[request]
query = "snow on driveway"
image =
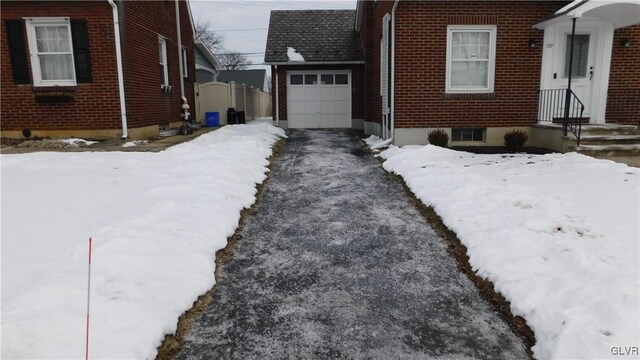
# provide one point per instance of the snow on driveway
(156, 219)
(557, 234)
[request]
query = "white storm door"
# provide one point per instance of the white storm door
(583, 65)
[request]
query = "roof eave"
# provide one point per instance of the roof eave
(208, 54)
(354, 62)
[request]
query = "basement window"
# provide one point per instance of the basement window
(467, 134)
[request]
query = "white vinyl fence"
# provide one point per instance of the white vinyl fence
(218, 96)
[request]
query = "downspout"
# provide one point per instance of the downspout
(277, 103)
(123, 106)
(389, 141)
(179, 38)
(393, 69)
(185, 103)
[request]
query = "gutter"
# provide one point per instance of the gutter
(123, 106)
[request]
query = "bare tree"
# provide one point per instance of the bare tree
(233, 61)
(208, 37)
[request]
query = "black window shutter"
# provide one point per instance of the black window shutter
(81, 55)
(18, 51)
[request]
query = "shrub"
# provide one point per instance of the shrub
(438, 137)
(514, 140)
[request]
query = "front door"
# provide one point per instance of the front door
(583, 64)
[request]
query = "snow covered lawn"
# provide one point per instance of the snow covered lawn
(557, 234)
(156, 219)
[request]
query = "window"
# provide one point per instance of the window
(342, 79)
(470, 59)
(580, 56)
(164, 67)
(311, 79)
(295, 79)
(467, 134)
(185, 69)
(51, 51)
(326, 79)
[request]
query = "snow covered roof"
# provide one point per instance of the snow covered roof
(319, 36)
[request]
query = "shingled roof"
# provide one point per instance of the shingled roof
(318, 35)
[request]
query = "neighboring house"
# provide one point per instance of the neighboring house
(207, 66)
(64, 74)
(474, 68)
(256, 78)
(317, 66)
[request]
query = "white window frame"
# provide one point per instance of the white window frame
(185, 69)
(163, 42)
(492, 30)
(36, 71)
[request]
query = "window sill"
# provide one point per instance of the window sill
(470, 95)
(54, 88)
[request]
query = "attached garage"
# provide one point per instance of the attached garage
(319, 99)
(317, 66)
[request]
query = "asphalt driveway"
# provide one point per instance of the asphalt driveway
(338, 264)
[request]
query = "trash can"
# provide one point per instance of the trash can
(240, 117)
(212, 119)
(231, 116)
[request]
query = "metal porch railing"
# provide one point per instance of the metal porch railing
(553, 108)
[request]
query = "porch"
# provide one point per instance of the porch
(597, 140)
(581, 82)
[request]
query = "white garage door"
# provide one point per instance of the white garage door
(319, 99)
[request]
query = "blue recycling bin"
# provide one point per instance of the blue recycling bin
(212, 119)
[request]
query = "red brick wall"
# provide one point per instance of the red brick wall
(357, 85)
(142, 22)
(421, 40)
(371, 34)
(623, 102)
(96, 104)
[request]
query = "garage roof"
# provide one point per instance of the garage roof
(320, 36)
(255, 77)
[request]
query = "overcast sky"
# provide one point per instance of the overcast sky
(244, 23)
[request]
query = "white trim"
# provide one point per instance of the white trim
(36, 69)
(165, 64)
(183, 58)
(492, 30)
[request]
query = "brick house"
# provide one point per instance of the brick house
(480, 68)
(63, 73)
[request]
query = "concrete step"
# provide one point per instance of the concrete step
(606, 139)
(610, 130)
(608, 150)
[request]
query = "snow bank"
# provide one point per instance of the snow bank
(135, 143)
(293, 55)
(156, 219)
(76, 141)
(557, 234)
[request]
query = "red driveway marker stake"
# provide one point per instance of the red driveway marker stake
(86, 349)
